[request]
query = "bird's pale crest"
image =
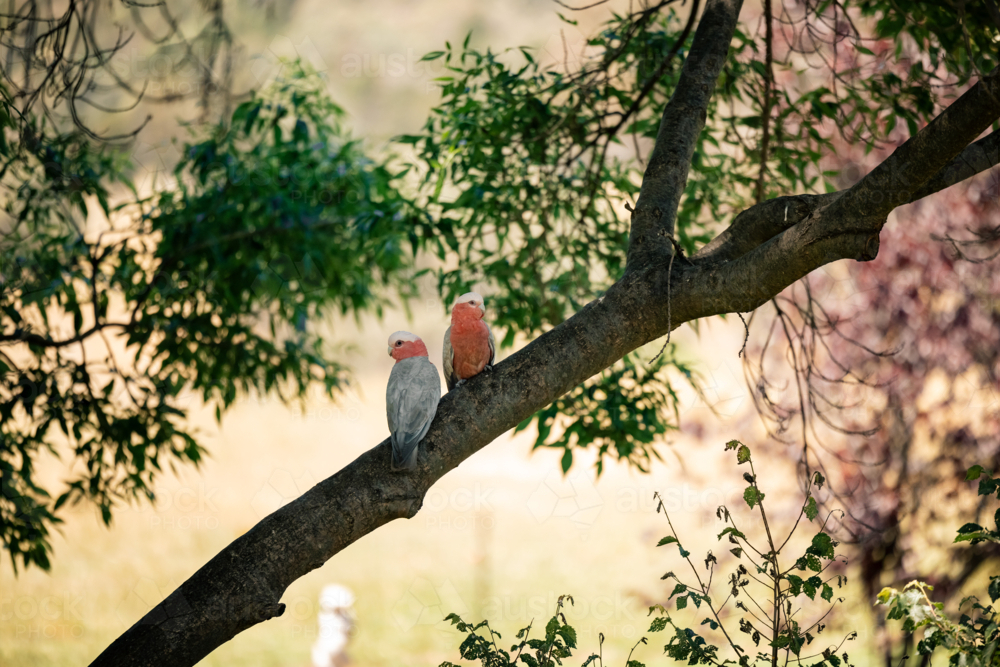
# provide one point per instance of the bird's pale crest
(400, 337)
(397, 339)
(473, 299)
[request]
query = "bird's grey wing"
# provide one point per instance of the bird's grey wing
(395, 411)
(426, 401)
(417, 392)
(493, 346)
(448, 359)
(390, 397)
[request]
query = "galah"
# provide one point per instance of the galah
(411, 399)
(469, 346)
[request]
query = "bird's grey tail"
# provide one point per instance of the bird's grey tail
(409, 461)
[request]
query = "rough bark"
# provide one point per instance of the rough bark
(764, 251)
(683, 119)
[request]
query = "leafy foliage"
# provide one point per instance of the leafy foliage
(213, 287)
(757, 572)
(559, 642)
(974, 638)
(527, 169)
(622, 413)
(756, 569)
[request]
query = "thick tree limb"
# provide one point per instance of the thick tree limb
(977, 158)
(683, 119)
(759, 223)
(244, 583)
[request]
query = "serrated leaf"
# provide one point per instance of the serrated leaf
(752, 496)
(810, 509)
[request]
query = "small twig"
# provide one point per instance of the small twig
(670, 273)
(746, 337)
(766, 111)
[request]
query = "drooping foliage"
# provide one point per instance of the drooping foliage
(213, 287)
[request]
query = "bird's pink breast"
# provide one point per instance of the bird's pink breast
(470, 340)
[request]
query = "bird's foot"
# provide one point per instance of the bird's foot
(460, 383)
(488, 367)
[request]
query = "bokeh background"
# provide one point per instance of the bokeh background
(503, 535)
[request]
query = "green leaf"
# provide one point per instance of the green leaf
(567, 461)
(822, 546)
(974, 472)
(743, 454)
(970, 528)
(810, 509)
(731, 530)
(669, 539)
(752, 496)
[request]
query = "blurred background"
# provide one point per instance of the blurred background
(506, 533)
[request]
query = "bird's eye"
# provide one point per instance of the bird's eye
(399, 343)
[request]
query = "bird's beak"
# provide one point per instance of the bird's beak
(390, 350)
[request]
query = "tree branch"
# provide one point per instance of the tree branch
(683, 119)
(765, 114)
(243, 584)
(759, 223)
(22, 336)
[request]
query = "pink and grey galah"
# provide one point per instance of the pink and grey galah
(411, 398)
(469, 346)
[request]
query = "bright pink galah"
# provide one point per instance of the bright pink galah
(469, 346)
